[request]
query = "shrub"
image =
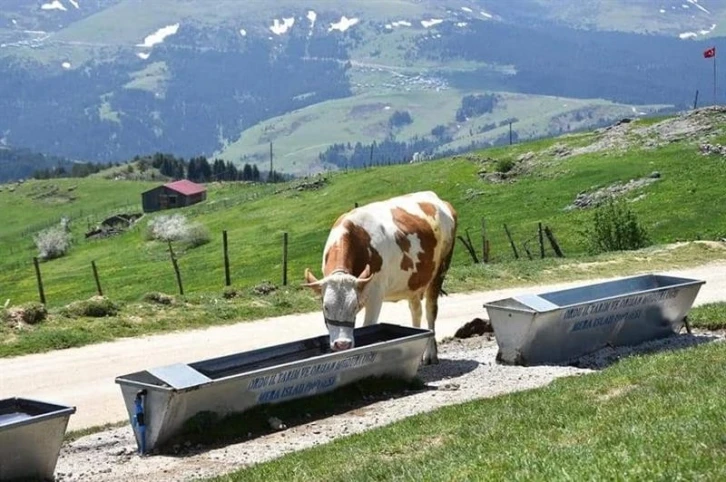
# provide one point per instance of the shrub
(30, 313)
(504, 165)
(176, 227)
(160, 298)
(615, 228)
(197, 235)
(264, 288)
(230, 292)
(96, 307)
(52, 242)
(33, 312)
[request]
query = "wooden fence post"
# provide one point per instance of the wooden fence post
(227, 280)
(284, 259)
(484, 242)
(526, 249)
(511, 242)
(541, 241)
(469, 246)
(40, 280)
(176, 269)
(553, 242)
(95, 276)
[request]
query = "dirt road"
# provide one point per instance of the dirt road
(84, 377)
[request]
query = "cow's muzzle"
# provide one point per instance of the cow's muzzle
(341, 334)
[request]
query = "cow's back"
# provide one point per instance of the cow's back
(405, 239)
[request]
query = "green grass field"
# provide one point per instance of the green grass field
(654, 417)
(683, 205)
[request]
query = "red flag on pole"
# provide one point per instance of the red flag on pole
(708, 53)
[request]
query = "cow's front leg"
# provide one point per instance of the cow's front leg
(414, 304)
(373, 309)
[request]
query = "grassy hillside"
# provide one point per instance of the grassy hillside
(682, 202)
(299, 136)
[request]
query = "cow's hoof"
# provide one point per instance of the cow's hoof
(430, 359)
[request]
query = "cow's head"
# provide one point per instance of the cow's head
(343, 296)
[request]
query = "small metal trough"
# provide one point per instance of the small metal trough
(31, 434)
(160, 400)
(560, 326)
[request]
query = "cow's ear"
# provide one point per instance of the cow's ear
(363, 278)
(312, 282)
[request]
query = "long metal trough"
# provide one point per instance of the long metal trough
(560, 326)
(31, 434)
(166, 397)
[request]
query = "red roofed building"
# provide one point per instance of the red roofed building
(172, 195)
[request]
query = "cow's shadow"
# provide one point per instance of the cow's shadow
(254, 423)
(446, 368)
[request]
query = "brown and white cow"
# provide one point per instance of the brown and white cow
(391, 250)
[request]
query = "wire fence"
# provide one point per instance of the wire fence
(266, 254)
(172, 268)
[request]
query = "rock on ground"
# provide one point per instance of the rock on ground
(595, 198)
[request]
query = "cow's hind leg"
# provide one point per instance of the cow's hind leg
(431, 355)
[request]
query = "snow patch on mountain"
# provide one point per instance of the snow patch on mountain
(159, 36)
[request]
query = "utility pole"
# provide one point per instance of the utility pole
(269, 178)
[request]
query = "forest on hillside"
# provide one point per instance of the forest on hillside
(617, 66)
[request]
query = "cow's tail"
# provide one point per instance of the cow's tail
(446, 263)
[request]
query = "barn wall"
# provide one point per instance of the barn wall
(150, 199)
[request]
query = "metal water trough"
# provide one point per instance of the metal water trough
(160, 400)
(31, 434)
(560, 326)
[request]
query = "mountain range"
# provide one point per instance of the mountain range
(325, 84)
